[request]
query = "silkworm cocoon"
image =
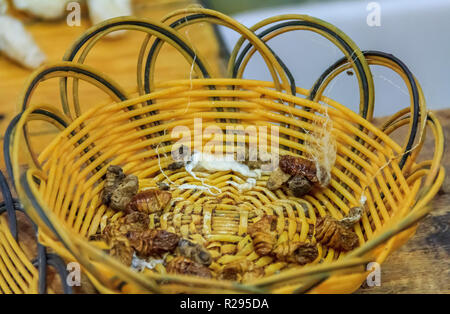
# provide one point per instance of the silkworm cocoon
(44, 9)
(100, 10)
(17, 43)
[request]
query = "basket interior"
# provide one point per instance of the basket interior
(139, 137)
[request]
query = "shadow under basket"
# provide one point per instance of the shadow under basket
(60, 187)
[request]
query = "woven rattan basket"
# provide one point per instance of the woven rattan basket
(60, 188)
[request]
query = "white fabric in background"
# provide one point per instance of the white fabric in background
(416, 31)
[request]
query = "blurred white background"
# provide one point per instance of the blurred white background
(416, 31)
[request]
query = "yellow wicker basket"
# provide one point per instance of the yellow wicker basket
(19, 273)
(60, 188)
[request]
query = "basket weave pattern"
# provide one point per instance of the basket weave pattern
(136, 133)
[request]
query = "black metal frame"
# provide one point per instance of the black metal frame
(9, 206)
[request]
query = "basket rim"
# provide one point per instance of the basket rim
(49, 227)
(42, 208)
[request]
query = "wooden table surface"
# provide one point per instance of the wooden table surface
(420, 266)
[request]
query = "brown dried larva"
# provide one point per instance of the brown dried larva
(299, 186)
(135, 221)
(153, 242)
(150, 201)
(277, 179)
(262, 234)
(263, 243)
(114, 175)
(116, 232)
(194, 251)
(123, 252)
(296, 252)
(124, 192)
(333, 233)
(353, 216)
(298, 166)
(184, 266)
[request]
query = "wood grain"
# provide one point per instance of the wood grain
(422, 265)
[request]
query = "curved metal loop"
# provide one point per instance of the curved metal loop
(198, 15)
(201, 15)
(56, 118)
(197, 18)
(58, 264)
(7, 145)
(60, 69)
(435, 166)
(214, 17)
(95, 33)
(70, 69)
(10, 204)
(42, 258)
(342, 41)
(417, 109)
